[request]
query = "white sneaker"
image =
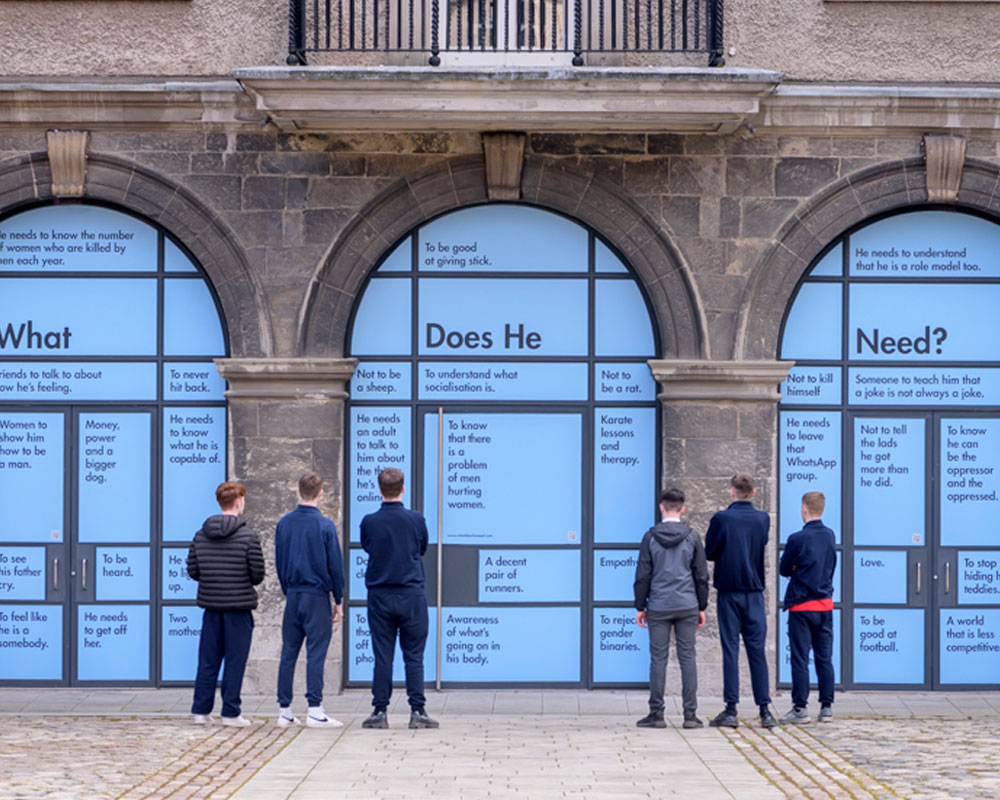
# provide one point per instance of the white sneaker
(202, 719)
(316, 718)
(285, 718)
(236, 722)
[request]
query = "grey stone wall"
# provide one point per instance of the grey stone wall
(718, 229)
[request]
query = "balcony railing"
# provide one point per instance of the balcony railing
(507, 32)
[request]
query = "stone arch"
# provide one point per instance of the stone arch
(846, 203)
(133, 188)
(569, 189)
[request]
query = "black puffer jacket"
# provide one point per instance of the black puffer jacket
(227, 561)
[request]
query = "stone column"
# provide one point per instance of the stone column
(286, 416)
(719, 418)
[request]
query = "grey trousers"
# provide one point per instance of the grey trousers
(661, 623)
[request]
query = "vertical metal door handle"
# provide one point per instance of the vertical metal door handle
(918, 576)
(947, 577)
(84, 584)
(55, 574)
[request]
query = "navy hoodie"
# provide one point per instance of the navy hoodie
(395, 539)
(735, 541)
(809, 558)
(307, 554)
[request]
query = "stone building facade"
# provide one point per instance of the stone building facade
(718, 187)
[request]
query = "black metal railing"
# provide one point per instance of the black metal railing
(573, 27)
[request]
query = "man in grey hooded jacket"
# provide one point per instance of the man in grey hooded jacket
(671, 594)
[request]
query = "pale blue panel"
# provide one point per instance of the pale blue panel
(813, 327)
(889, 486)
(381, 380)
(122, 573)
(927, 244)
(880, 576)
(78, 317)
(785, 653)
(494, 645)
(621, 647)
(76, 238)
(400, 259)
(923, 386)
(605, 260)
(978, 577)
(970, 461)
(194, 463)
(889, 645)
(832, 264)
(620, 382)
(468, 380)
(623, 327)
(503, 238)
(382, 322)
(529, 576)
(174, 259)
(500, 485)
(66, 380)
(177, 584)
(921, 322)
(614, 575)
(356, 566)
(809, 449)
(22, 573)
(812, 386)
(503, 317)
(624, 473)
(31, 639)
(31, 482)
(193, 381)
(970, 645)
(361, 662)
(114, 477)
(112, 643)
(783, 582)
(190, 320)
(380, 438)
(180, 635)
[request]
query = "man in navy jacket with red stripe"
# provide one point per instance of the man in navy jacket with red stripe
(809, 559)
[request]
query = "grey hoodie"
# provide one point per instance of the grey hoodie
(672, 574)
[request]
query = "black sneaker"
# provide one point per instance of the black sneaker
(652, 721)
(725, 719)
(419, 719)
(691, 721)
(767, 719)
(378, 719)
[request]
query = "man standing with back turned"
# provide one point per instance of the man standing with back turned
(809, 559)
(735, 541)
(395, 539)
(310, 569)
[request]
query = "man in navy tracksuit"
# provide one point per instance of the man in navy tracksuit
(395, 539)
(310, 569)
(809, 559)
(735, 541)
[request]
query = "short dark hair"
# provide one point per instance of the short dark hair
(672, 499)
(742, 484)
(390, 482)
(815, 503)
(310, 485)
(226, 494)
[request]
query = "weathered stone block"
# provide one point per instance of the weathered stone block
(697, 175)
(802, 177)
(216, 191)
(295, 163)
(763, 218)
(668, 144)
(713, 458)
(682, 214)
(263, 192)
(752, 176)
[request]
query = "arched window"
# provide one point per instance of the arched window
(112, 440)
(893, 410)
(503, 368)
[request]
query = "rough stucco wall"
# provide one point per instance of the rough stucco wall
(865, 41)
(169, 37)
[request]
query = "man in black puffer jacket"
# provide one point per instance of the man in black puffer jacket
(227, 561)
(671, 594)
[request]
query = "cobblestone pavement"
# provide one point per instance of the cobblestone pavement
(68, 758)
